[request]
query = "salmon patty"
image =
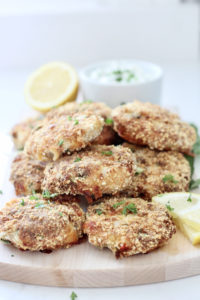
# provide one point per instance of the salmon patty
(128, 226)
(26, 174)
(92, 173)
(158, 172)
(62, 135)
(41, 225)
(150, 125)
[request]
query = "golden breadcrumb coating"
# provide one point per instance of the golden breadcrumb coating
(149, 124)
(98, 108)
(39, 225)
(108, 136)
(22, 131)
(158, 172)
(128, 226)
(93, 172)
(64, 134)
(26, 174)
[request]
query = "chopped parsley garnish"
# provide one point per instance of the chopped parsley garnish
(39, 205)
(117, 72)
(20, 149)
(1, 192)
(118, 79)
(77, 159)
(189, 199)
(73, 296)
(60, 214)
(38, 127)
(130, 76)
(190, 160)
(122, 103)
(170, 178)
(60, 142)
(76, 122)
(168, 206)
(69, 118)
(47, 194)
(5, 241)
(116, 205)
(107, 153)
(194, 183)
(139, 171)
(99, 211)
(33, 196)
(109, 121)
(196, 146)
(129, 208)
(86, 101)
(12, 255)
(22, 202)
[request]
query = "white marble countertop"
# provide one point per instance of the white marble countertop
(181, 90)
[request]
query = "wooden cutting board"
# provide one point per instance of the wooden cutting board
(85, 266)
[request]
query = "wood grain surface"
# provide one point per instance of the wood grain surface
(86, 266)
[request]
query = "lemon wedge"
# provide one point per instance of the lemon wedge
(185, 209)
(51, 85)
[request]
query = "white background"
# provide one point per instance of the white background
(80, 32)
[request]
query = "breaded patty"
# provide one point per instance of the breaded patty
(149, 124)
(64, 134)
(22, 131)
(158, 172)
(128, 226)
(93, 172)
(108, 136)
(26, 174)
(40, 224)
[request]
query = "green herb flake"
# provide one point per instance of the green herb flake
(129, 208)
(86, 102)
(76, 122)
(12, 255)
(139, 171)
(130, 76)
(22, 202)
(77, 159)
(118, 79)
(6, 241)
(194, 183)
(60, 214)
(69, 118)
(189, 199)
(109, 121)
(60, 142)
(122, 103)
(168, 206)
(116, 205)
(169, 178)
(39, 205)
(33, 196)
(73, 296)
(107, 153)
(196, 146)
(20, 149)
(47, 194)
(99, 211)
(1, 192)
(117, 72)
(190, 160)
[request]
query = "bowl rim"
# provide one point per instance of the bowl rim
(84, 76)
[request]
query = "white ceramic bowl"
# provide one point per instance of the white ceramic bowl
(114, 93)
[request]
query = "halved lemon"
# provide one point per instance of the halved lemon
(185, 209)
(51, 85)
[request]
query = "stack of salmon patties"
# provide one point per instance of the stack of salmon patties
(113, 160)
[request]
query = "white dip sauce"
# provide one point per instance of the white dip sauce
(120, 72)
